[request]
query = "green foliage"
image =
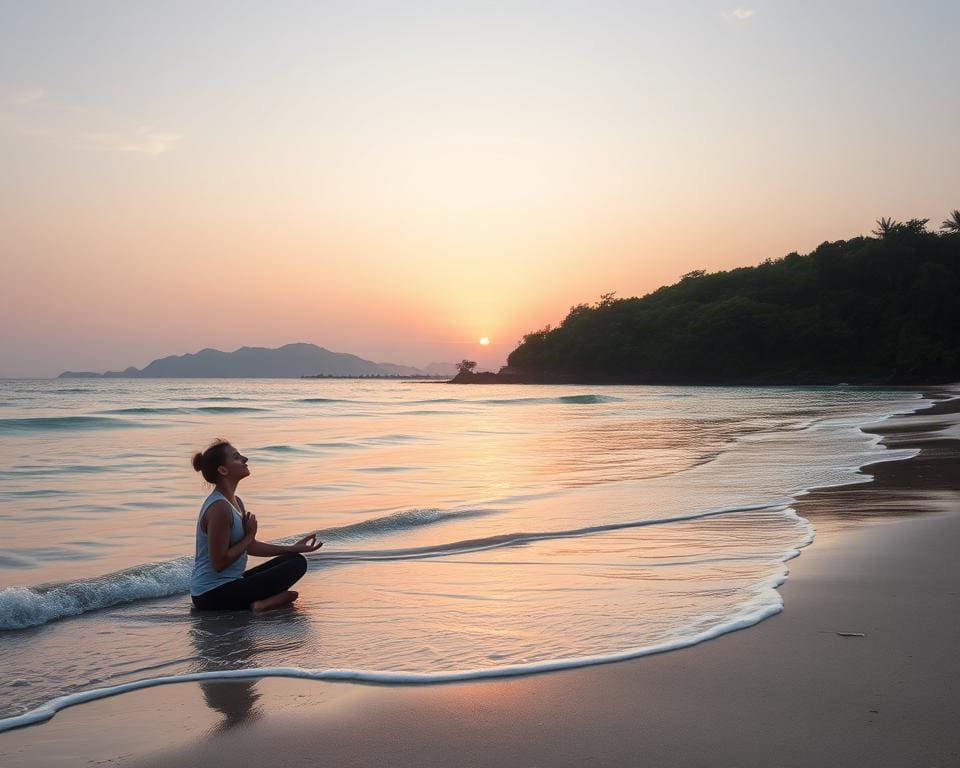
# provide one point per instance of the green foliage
(952, 225)
(885, 226)
(865, 309)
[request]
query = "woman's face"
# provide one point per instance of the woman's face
(234, 464)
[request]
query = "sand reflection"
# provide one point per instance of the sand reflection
(235, 640)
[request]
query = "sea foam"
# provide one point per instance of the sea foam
(22, 607)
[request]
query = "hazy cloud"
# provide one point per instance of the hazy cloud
(742, 14)
(28, 112)
(26, 96)
(142, 141)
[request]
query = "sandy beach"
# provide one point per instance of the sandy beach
(859, 669)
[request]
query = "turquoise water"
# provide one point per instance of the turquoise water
(470, 531)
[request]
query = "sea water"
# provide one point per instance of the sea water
(469, 531)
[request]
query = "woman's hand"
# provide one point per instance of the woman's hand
(249, 524)
(308, 544)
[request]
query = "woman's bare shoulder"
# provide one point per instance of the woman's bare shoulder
(219, 512)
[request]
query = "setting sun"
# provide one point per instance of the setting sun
(484, 340)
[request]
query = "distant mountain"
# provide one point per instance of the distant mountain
(289, 361)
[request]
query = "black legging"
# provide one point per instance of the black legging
(269, 578)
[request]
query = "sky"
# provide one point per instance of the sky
(398, 180)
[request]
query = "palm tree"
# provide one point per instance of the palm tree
(953, 223)
(916, 226)
(886, 227)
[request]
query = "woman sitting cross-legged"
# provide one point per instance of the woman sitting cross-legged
(227, 533)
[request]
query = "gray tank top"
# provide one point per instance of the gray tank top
(205, 577)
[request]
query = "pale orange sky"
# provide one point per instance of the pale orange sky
(398, 183)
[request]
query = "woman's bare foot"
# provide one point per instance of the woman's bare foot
(274, 601)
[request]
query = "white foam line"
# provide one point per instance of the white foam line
(48, 710)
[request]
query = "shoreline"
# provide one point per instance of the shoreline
(791, 380)
(787, 673)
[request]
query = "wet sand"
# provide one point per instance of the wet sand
(859, 669)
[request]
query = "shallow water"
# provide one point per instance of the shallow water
(469, 530)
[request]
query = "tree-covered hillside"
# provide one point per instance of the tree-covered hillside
(880, 309)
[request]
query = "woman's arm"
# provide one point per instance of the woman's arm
(263, 549)
(219, 518)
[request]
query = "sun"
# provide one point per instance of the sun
(484, 341)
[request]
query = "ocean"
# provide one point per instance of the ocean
(470, 531)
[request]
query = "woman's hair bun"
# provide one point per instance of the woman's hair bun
(206, 463)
